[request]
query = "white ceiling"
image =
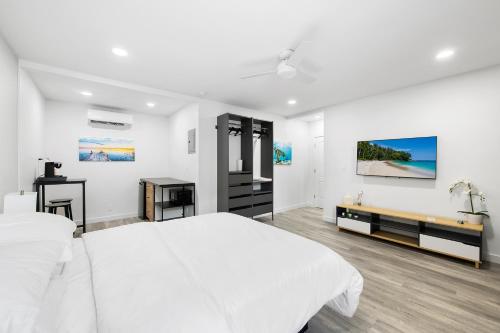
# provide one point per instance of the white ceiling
(362, 47)
(310, 116)
(67, 86)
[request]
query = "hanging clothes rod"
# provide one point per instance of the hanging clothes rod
(232, 129)
(262, 132)
(237, 131)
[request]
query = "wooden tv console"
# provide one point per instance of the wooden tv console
(431, 233)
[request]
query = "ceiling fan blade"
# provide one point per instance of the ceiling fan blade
(257, 75)
(302, 45)
(305, 77)
(298, 55)
(309, 66)
(306, 35)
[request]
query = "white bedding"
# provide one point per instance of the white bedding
(31, 227)
(68, 304)
(25, 270)
(213, 273)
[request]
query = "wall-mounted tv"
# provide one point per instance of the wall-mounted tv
(403, 158)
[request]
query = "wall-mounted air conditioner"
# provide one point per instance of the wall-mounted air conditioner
(109, 118)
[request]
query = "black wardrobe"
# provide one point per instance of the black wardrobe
(239, 192)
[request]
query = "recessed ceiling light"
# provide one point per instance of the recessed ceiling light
(292, 102)
(86, 93)
(119, 52)
(317, 116)
(445, 54)
(150, 104)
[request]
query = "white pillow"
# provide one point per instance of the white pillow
(25, 270)
(29, 227)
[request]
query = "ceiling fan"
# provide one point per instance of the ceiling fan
(290, 64)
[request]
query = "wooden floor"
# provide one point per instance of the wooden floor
(405, 290)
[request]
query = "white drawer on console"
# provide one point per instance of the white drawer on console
(354, 225)
(454, 248)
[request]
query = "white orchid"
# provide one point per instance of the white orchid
(467, 184)
(468, 189)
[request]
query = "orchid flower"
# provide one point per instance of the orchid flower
(469, 190)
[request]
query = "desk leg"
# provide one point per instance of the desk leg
(183, 203)
(84, 217)
(161, 206)
(37, 197)
(194, 200)
(43, 198)
(143, 184)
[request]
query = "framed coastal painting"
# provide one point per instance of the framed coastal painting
(282, 153)
(106, 150)
(402, 158)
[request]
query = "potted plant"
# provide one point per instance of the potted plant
(474, 216)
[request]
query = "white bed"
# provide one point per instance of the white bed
(68, 304)
(210, 273)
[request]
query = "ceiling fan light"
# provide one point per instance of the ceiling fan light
(286, 71)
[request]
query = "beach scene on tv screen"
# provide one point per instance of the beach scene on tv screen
(412, 157)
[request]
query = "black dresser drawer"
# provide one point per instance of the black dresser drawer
(247, 212)
(235, 191)
(240, 179)
(240, 202)
(258, 199)
(262, 209)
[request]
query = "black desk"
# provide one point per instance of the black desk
(40, 182)
(164, 183)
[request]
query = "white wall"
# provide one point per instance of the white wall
(289, 181)
(316, 128)
(112, 187)
(182, 165)
(464, 113)
(31, 113)
(8, 123)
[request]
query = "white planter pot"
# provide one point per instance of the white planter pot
(475, 219)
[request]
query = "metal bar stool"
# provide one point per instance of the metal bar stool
(61, 203)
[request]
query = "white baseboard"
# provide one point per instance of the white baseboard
(109, 218)
(134, 214)
(287, 208)
(329, 219)
(492, 257)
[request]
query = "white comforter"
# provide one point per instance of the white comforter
(68, 304)
(214, 273)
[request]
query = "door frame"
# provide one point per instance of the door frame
(316, 179)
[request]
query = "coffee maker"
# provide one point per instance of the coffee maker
(50, 171)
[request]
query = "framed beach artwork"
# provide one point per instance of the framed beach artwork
(106, 150)
(282, 153)
(402, 158)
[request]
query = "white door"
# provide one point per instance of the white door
(318, 171)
